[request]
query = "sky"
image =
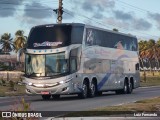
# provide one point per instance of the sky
(137, 17)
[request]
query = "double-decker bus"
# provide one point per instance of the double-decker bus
(80, 59)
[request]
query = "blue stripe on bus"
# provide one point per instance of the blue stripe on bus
(103, 81)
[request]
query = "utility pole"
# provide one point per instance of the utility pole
(59, 12)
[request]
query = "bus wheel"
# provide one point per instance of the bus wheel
(92, 90)
(46, 97)
(129, 88)
(118, 92)
(55, 96)
(84, 92)
(99, 93)
(124, 91)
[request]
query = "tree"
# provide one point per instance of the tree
(20, 40)
(150, 51)
(6, 42)
(143, 46)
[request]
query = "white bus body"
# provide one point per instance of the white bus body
(88, 62)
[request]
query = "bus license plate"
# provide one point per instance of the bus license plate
(44, 92)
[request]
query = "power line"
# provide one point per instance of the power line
(144, 10)
(111, 24)
(24, 9)
(27, 4)
(124, 29)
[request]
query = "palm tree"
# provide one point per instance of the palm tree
(6, 42)
(152, 53)
(20, 40)
(158, 53)
(142, 55)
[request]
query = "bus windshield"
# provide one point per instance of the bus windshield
(49, 37)
(46, 65)
(56, 36)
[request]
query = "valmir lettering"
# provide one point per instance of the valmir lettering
(47, 44)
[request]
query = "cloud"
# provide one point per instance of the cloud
(116, 23)
(141, 24)
(131, 20)
(133, 24)
(122, 15)
(87, 6)
(156, 18)
(98, 15)
(68, 14)
(37, 11)
(8, 7)
(97, 5)
(29, 21)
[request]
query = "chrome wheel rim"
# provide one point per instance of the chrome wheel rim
(92, 89)
(84, 90)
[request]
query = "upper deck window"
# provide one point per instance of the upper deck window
(110, 40)
(50, 37)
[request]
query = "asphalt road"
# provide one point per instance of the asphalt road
(73, 103)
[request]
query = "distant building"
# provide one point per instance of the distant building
(11, 61)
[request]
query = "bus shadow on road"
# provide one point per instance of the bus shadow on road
(75, 97)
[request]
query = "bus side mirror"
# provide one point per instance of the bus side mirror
(19, 53)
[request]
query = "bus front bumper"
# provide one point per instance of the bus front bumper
(62, 88)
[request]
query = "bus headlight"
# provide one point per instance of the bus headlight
(61, 82)
(65, 81)
(30, 84)
(27, 83)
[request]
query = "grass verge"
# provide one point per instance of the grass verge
(7, 91)
(148, 105)
(150, 79)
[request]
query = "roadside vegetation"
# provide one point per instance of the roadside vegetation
(149, 79)
(15, 87)
(11, 87)
(149, 105)
(149, 54)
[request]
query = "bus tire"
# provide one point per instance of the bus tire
(129, 88)
(118, 92)
(99, 93)
(124, 90)
(92, 91)
(55, 96)
(46, 97)
(84, 92)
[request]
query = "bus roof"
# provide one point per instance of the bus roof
(87, 26)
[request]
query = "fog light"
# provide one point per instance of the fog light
(28, 90)
(64, 89)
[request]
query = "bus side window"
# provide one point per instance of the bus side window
(73, 64)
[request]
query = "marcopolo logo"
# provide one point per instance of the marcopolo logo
(47, 44)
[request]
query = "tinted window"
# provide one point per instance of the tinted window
(73, 64)
(111, 40)
(54, 36)
(77, 35)
(49, 37)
